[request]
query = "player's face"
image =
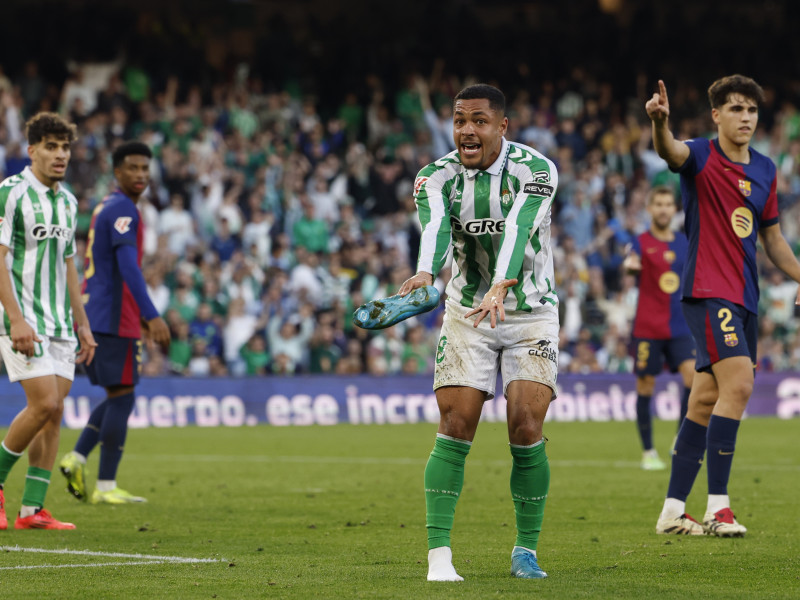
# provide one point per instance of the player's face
(49, 159)
(662, 208)
(736, 119)
(478, 132)
(133, 175)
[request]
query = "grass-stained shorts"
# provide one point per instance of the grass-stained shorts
(524, 347)
(52, 356)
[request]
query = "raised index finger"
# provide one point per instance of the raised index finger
(662, 89)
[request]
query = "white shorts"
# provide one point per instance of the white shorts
(524, 346)
(54, 356)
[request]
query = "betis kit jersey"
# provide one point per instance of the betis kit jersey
(38, 227)
(496, 221)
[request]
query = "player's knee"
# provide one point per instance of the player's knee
(524, 432)
(645, 385)
(47, 409)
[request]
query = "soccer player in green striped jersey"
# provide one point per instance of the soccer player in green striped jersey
(489, 203)
(41, 310)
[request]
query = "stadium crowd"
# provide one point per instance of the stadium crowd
(272, 214)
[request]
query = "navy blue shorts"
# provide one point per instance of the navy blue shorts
(721, 329)
(117, 361)
(651, 354)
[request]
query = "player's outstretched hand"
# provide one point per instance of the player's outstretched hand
(87, 345)
(658, 106)
(419, 280)
(492, 303)
(158, 330)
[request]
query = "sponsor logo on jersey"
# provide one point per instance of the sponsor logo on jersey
(43, 232)
(536, 188)
(669, 282)
(742, 222)
(744, 187)
(478, 226)
(541, 177)
(543, 349)
(731, 339)
(123, 224)
(418, 183)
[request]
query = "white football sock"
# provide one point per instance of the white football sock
(106, 485)
(27, 511)
(440, 565)
(673, 508)
(717, 502)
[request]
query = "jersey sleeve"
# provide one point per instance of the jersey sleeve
(434, 217)
(8, 206)
(123, 221)
(769, 216)
(636, 245)
(531, 207)
(699, 149)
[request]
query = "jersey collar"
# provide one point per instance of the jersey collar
(496, 168)
(37, 185)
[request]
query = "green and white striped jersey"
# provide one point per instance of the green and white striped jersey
(497, 222)
(38, 227)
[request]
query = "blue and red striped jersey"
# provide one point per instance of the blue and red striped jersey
(110, 305)
(658, 311)
(726, 203)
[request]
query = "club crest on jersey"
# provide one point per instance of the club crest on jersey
(669, 256)
(731, 339)
(744, 187)
(506, 198)
(123, 224)
(742, 222)
(418, 183)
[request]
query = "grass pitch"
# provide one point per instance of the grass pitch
(338, 512)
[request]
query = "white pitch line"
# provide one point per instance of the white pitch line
(373, 460)
(139, 557)
(78, 566)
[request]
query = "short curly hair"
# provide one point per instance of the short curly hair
(721, 89)
(46, 124)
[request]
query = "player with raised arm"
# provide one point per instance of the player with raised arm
(730, 200)
(40, 310)
(118, 305)
(659, 330)
(489, 201)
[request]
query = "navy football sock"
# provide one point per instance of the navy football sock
(91, 433)
(643, 421)
(684, 405)
(687, 457)
(112, 434)
(721, 444)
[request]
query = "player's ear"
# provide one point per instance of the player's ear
(503, 126)
(715, 115)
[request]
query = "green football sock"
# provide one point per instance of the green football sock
(530, 481)
(7, 460)
(36, 483)
(444, 478)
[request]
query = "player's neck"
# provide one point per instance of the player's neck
(739, 153)
(663, 235)
(44, 180)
